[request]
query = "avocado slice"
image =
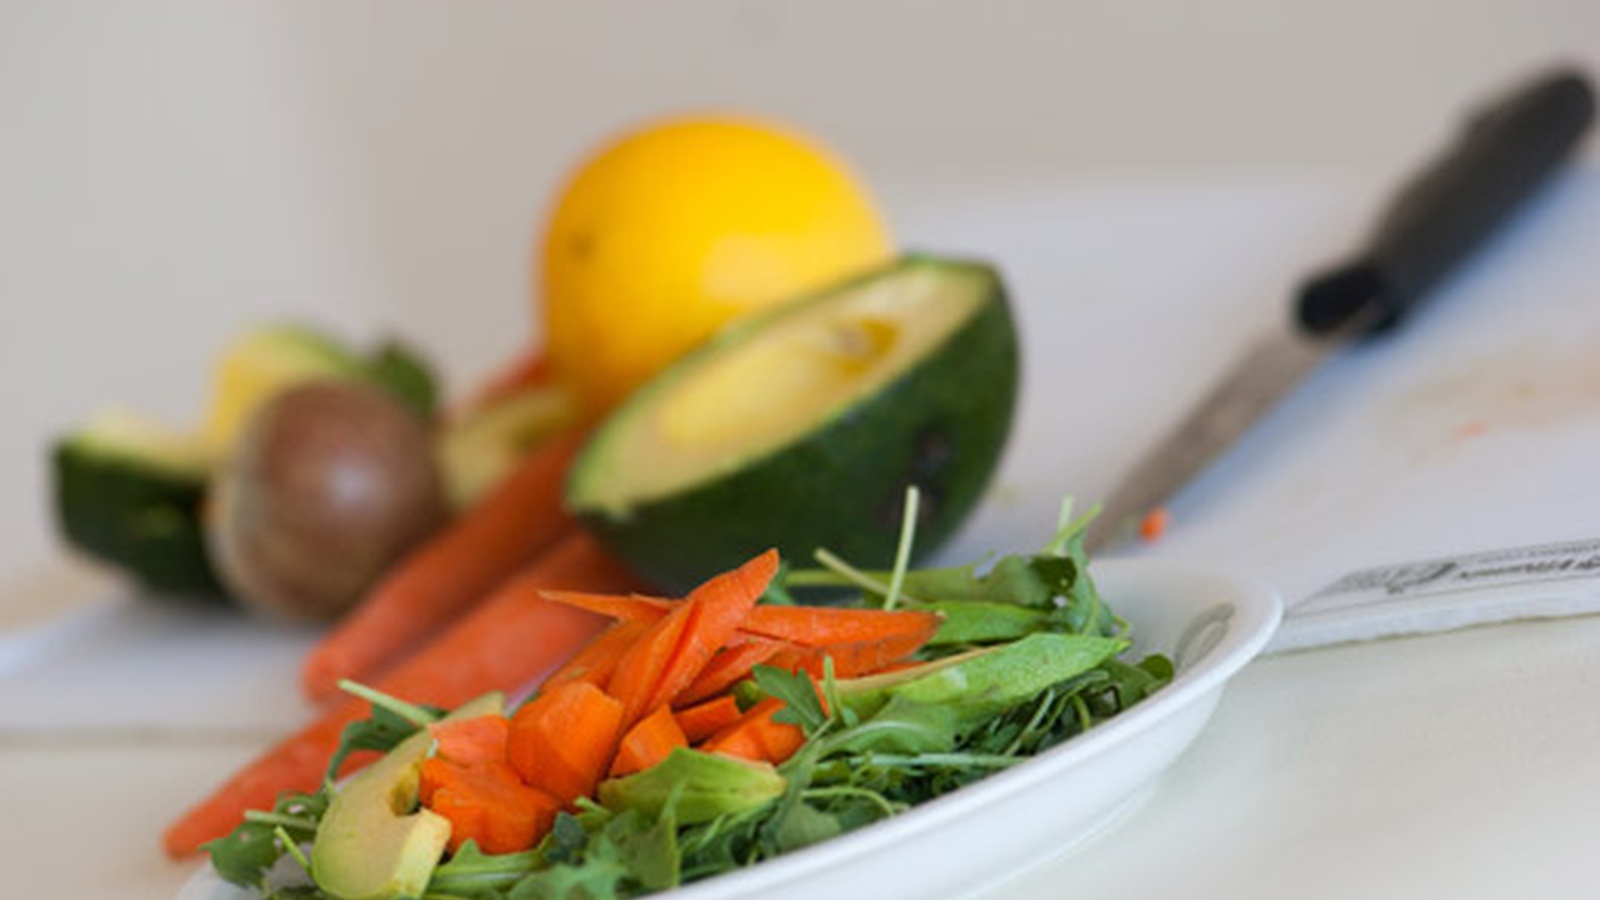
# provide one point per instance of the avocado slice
(373, 843)
(803, 427)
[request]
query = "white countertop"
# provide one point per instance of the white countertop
(1457, 764)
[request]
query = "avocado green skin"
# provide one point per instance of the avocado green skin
(842, 486)
(142, 519)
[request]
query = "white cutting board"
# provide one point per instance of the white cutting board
(1475, 426)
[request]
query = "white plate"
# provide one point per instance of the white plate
(1210, 623)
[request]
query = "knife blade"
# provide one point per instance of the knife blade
(1505, 153)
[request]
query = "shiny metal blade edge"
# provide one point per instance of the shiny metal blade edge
(1271, 368)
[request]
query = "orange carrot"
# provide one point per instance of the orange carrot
(702, 720)
(716, 609)
(622, 607)
(640, 667)
(850, 659)
(730, 665)
(755, 736)
(598, 659)
(487, 803)
(818, 625)
(520, 517)
(510, 639)
(562, 741)
(1154, 524)
(648, 742)
(528, 368)
(468, 741)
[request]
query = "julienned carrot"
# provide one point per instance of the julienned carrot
(716, 609)
(702, 720)
(598, 658)
(648, 742)
(730, 665)
(818, 625)
(850, 658)
(640, 667)
(755, 736)
(520, 517)
(622, 607)
(511, 638)
(812, 626)
(562, 741)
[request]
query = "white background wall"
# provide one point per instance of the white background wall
(172, 172)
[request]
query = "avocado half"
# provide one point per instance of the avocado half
(803, 428)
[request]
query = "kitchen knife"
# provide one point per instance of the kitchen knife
(1504, 154)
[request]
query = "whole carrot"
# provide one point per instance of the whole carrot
(520, 516)
(511, 638)
(527, 368)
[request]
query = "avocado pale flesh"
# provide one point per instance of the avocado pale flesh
(373, 842)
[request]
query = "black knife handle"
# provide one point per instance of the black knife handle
(1502, 157)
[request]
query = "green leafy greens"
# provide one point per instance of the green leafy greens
(1028, 655)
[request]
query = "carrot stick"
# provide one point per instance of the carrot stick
(818, 625)
(755, 736)
(520, 517)
(717, 608)
(648, 742)
(598, 658)
(851, 659)
(640, 667)
(622, 607)
(731, 664)
(511, 638)
(702, 720)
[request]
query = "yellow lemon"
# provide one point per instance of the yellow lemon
(672, 230)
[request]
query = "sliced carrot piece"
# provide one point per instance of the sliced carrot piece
(598, 659)
(648, 742)
(487, 803)
(756, 736)
(623, 607)
(717, 609)
(509, 639)
(850, 660)
(815, 626)
(728, 667)
(702, 720)
(640, 668)
(474, 740)
(562, 740)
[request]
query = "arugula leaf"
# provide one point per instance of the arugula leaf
(471, 874)
(802, 706)
(392, 721)
(800, 825)
(247, 854)
(598, 855)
